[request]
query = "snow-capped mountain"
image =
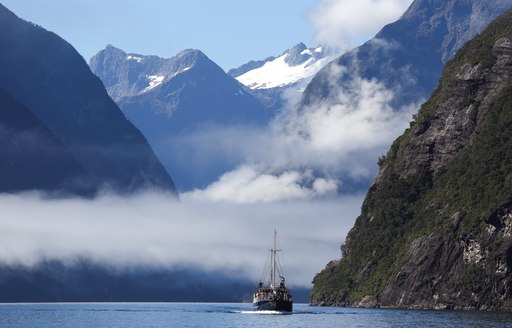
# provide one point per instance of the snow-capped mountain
(189, 87)
(293, 68)
(174, 98)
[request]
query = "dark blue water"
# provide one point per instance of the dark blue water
(129, 315)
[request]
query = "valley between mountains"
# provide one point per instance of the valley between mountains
(133, 177)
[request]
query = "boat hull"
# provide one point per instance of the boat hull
(275, 305)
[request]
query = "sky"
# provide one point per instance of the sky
(230, 222)
(230, 32)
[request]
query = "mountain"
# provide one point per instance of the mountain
(180, 91)
(435, 226)
(83, 280)
(175, 99)
(86, 281)
(268, 78)
(48, 76)
(408, 55)
(33, 158)
(290, 67)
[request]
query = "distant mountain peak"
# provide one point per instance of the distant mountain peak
(110, 47)
(296, 64)
(192, 58)
(177, 96)
(297, 55)
(131, 74)
(191, 53)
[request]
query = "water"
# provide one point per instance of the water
(129, 315)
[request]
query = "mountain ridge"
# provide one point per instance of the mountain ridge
(52, 80)
(269, 78)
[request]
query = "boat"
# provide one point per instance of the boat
(272, 297)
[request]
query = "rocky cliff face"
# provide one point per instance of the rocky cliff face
(435, 229)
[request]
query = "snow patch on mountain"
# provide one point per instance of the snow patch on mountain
(312, 52)
(135, 58)
(281, 71)
(183, 70)
(154, 81)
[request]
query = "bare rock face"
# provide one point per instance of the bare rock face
(435, 228)
(369, 301)
(442, 134)
(434, 274)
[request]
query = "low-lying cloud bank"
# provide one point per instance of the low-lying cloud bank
(152, 230)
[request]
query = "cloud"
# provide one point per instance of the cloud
(343, 24)
(360, 117)
(329, 146)
(153, 230)
(249, 185)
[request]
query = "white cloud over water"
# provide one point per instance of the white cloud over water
(248, 185)
(154, 230)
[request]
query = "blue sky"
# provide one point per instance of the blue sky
(230, 32)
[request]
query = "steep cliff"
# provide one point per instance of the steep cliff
(435, 230)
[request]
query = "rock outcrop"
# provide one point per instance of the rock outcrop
(435, 227)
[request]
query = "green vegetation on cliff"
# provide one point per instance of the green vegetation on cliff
(435, 230)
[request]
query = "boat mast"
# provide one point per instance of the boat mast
(273, 262)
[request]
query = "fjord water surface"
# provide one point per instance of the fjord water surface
(128, 315)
